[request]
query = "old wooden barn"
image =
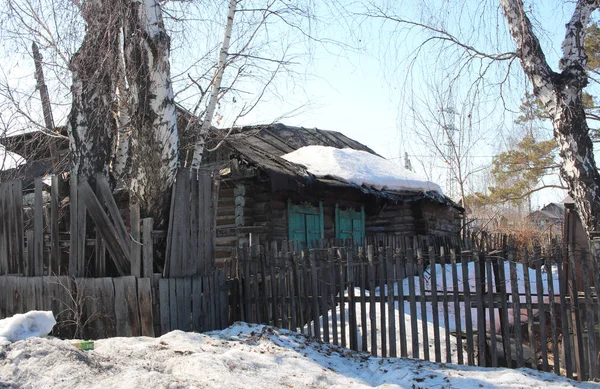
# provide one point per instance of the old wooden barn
(267, 198)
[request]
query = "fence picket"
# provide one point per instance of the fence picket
(445, 304)
(389, 271)
(457, 313)
(434, 305)
(562, 291)
(516, 301)
(541, 308)
(423, 300)
(491, 312)
(382, 299)
(372, 304)
(552, 309)
(481, 331)
(363, 303)
(315, 294)
(400, 274)
(413, 307)
(589, 314)
(468, 309)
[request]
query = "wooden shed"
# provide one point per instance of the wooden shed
(265, 197)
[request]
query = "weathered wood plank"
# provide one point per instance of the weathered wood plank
(457, 313)
(372, 304)
(413, 306)
(541, 308)
(564, 317)
(127, 320)
(144, 289)
(165, 305)
(479, 288)
(516, 301)
(55, 253)
(492, 312)
(315, 295)
(400, 274)
(147, 248)
(136, 240)
(37, 266)
(116, 247)
(391, 298)
(592, 357)
(113, 211)
(434, 306)
(445, 305)
(467, 305)
(424, 321)
(382, 303)
(349, 276)
(73, 231)
(528, 303)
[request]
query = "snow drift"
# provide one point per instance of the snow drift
(26, 325)
(360, 168)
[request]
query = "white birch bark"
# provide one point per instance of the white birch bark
(215, 88)
(91, 122)
(561, 94)
(152, 112)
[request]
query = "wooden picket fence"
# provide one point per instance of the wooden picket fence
(385, 302)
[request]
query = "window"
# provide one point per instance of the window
(305, 224)
(350, 224)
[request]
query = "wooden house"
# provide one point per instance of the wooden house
(264, 197)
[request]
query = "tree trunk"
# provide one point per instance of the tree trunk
(91, 120)
(561, 95)
(152, 113)
(215, 87)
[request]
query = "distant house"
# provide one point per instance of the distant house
(264, 194)
(549, 219)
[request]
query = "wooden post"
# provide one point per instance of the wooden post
(55, 256)
(148, 247)
(434, 305)
(136, 238)
(37, 266)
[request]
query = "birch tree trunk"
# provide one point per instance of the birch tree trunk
(215, 88)
(153, 118)
(561, 95)
(91, 120)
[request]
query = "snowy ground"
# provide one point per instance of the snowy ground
(243, 356)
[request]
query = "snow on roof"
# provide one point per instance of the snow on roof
(360, 168)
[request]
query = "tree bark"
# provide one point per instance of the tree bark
(561, 95)
(152, 113)
(215, 87)
(91, 121)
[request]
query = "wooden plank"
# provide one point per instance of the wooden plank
(575, 320)
(265, 289)
(382, 305)
(73, 228)
(413, 307)
(330, 289)
(272, 262)
(481, 330)
(127, 320)
(516, 300)
(289, 263)
(55, 254)
(553, 314)
(467, 305)
(434, 305)
(173, 305)
(457, 313)
(491, 312)
(165, 305)
(592, 357)
(182, 303)
(284, 290)
(17, 203)
(363, 300)
(350, 278)
(500, 278)
(4, 259)
(391, 297)
(113, 211)
(256, 309)
(194, 257)
(400, 274)
(372, 304)
(38, 230)
(564, 316)
(136, 241)
(528, 305)
(424, 320)
(541, 308)
(197, 312)
(246, 279)
(100, 248)
(30, 251)
(81, 228)
(114, 243)
(147, 248)
(315, 294)
(186, 266)
(445, 305)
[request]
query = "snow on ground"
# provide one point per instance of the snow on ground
(360, 168)
(242, 356)
(23, 326)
